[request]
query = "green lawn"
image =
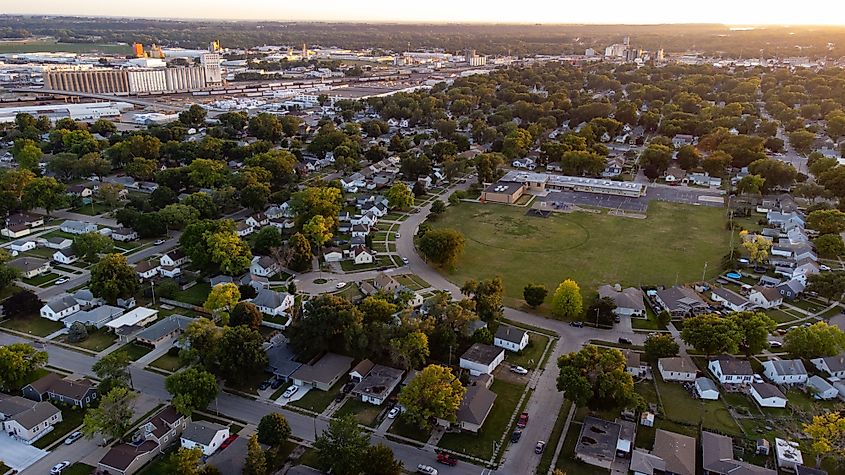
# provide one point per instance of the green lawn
(780, 316)
(350, 292)
(673, 243)
(168, 363)
(134, 351)
(481, 444)
(71, 419)
(530, 356)
(680, 407)
(412, 281)
(195, 295)
(364, 412)
(98, 340)
(42, 279)
(78, 468)
(92, 210)
(410, 430)
(381, 261)
(318, 401)
(32, 325)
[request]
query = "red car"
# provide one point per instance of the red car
(523, 420)
(447, 459)
(228, 441)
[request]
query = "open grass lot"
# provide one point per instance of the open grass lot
(673, 243)
(679, 406)
(317, 400)
(195, 295)
(530, 356)
(781, 316)
(42, 279)
(32, 325)
(71, 419)
(92, 210)
(78, 468)
(97, 340)
(364, 412)
(350, 292)
(412, 281)
(134, 351)
(407, 429)
(481, 444)
(381, 261)
(167, 363)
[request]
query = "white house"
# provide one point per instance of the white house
(65, 256)
(22, 245)
(243, 229)
(765, 297)
(58, 243)
(834, 366)
(729, 299)
(173, 258)
(360, 230)
(706, 389)
(124, 234)
(362, 255)
(264, 266)
(677, 368)
(821, 389)
(729, 370)
(333, 254)
(634, 365)
(258, 220)
(788, 455)
(27, 420)
(785, 371)
(59, 308)
(767, 395)
(510, 338)
(204, 435)
(482, 359)
(78, 227)
(272, 302)
(147, 269)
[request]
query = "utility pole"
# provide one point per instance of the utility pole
(704, 272)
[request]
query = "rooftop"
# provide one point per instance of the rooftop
(481, 353)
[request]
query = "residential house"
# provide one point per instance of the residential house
(791, 289)
(243, 229)
(164, 428)
(510, 338)
(677, 452)
(96, 317)
(614, 167)
(629, 302)
(362, 255)
(280, 359)
(378, 384)
(124, 234)
(785, 221)
(173, 258)
(74, 392)
(765, 297)
(717, 457)
(27, 420)
(680, 301)
(475, 407)
(152, 439)
(597, 442)
(65, 256)
(258, 220)
(834, 366)
(385, 282)
(680, 140)
(785, 371)
(147, 269)
(787, 455)
(22, 245)
(86, 299)
(805, 470)
(21, 224)
(78, 227)
(360, 230)
(264, 266)
(324, 373)
(767, 395)
(675, 174)
(163, 330)
(58, 243)
(204, 435)
(482, 359)
(729, 299)
(361, 370)
(678, 368)
(30, 267)
(59, 308)
(271, 302)
(634, 365)
(333, 254)
(706, 389)
(820, 389)
(729, 370)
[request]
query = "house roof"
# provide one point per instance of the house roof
(327, 369)
(42, 384)
(73, 389)
(679, 298)
(25, 412)
(717, 457)
(476, 405)
(767, 390)
(632, 359)
(678, 364)
(27, 264)
(202, 432)
(705, 384)
(835, 363)
(644, 462)
(730, 296)
(62, 303)
(630, 297)
(269, 298)
(94, 316)
(164, 327)
(482, 354)
(380, 381)
(819, 384)
(280, 360)
(383, 280)
(769, 293)
(363, 367)
(133, 317)
(509, 333)
(598, 438)
(176, 254)
(266, 262)
(122, 455)
(678, 451)
(788, 367)
(731, 365)
(144, 266)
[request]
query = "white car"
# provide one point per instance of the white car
(426, 469)
(519, 370)
(59, 467)
(290, 391)
(73, 438)
(398, 235)
(158, 242)
(393, 413)
(824, 267)
(340, 285)
(775, 344)
(405, 260)
(60, 281)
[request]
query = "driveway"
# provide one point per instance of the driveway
(18, 455)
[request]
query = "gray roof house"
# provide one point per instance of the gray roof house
(676, 450)
(324, 373)
(281, 360)
(475, 407)
(163, 330)
(96, 317)
(680, 301)
(717, 458)
(78, 227)
(597, 442)
(629, 301)
(378, 384)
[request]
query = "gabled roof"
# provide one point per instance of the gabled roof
(482, 354)
(717, 457)
(62, 303)
(202, 432)
(678, 364)
(269, 298)
(42, 384)
(788, 367)
(476, 405)
(835, 363)
(509, 333)
(28, 414)
(766, 390)
(734, 366)
(678, 451)
(769, 293)
(121, 456)
(72, 389)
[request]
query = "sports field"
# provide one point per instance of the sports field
(670, 246)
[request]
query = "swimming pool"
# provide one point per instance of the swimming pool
(733, 275)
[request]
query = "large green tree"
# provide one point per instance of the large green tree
(753, 330)
(17, 361)
(442, 246)
(342, 447)
(112, 371)
(113, 417)
(596, 377)
(433, 393)
(192, 389)
(819, 339)
(112, 278)
(711, 334)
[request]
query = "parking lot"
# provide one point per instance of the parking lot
(683, 195)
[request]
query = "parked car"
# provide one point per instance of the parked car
(340, 285)
(426, 469)
(228, 441)
(265, 384)
(824, 267)
(290, 391)
(158, 242)
(348, 387)
(523, 420)
(625, 341)
(59, 467)
(447, 459)
(617, 319)
(73, 437)
(61, 281)
(775, 344)
(398, 235)
(515, 436)
(519, 370)
(405, 260)
(538, 449)
(757, 378)
(276, 384)
(393, 412)
(339, 397)
(576, 324)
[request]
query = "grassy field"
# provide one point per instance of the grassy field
(530, 356)
(32, 325)
(364, 412)
(97, 340)
(317, 400)
(195, 295)
(78, 468)
(673, 243)
(134, 351)
(679, 406)
(167, 363)
(408, 429)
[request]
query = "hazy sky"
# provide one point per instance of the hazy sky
(830, 12)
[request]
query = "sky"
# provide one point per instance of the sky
(731, 12)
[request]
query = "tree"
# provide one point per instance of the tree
(826, 221)
(8, 274)
(688, 157)
(603, 309)
(656, 157)
(89, 246)
(750, 185)
(43, 192)
(185, 461)
(758, 249)
(113, 417)
(273, 430)
(802, 141)
(103, 127)
(660, 345)
(775, 172)
(112, 278)
(194, 116)
(517, 143)
(27, 154)
(442, 246)
(567, 301)
(328, 322)
(17, 361)
(222, 298)
(711, 334)
(77, 332)
(300, 253)
(192, 389)
(255, 196)
(109, 193)
(433, 393)
(265, 126)
(203, 203)
(205, 173)
(342, 447)
(829, 285)
(246, 313)
(379, 460)
(22, 303)
(438, 207)
(231, 254)
(487, 295)
(141, 168)
(753, 330)
(534, 294)
(827, 431)
(256, 461)
(410, 351)
(177, 216)
(829, 246)
(400, 196)
(325, 201)
(318, 229)
(113, 371)
(817, 340)
(716, 163)
(596, 377)
(241, 354)
(488, 166)
(266, 239)
(201, 341)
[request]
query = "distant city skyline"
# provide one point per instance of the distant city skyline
(730, 12)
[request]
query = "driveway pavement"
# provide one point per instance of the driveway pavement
(17, 454)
